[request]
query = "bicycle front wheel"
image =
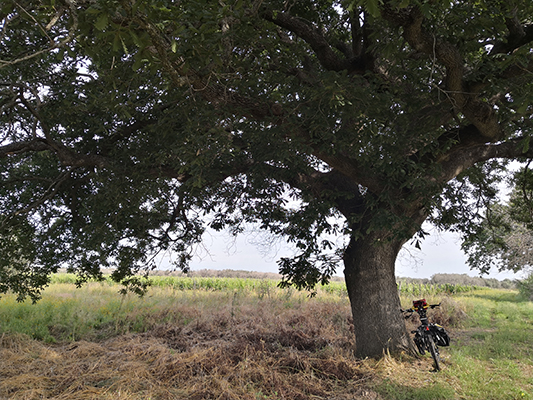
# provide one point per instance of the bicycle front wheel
(434, 352)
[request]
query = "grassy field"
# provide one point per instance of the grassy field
(248, 339)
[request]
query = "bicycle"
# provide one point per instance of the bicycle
(428, 336)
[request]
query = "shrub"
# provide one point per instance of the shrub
(525, 286)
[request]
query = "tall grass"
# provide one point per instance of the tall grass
(193, 344)
(236, 339)
(98, 311)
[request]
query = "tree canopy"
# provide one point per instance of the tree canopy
(128, 127)
(503, 237)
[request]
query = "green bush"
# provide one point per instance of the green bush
(525, 287)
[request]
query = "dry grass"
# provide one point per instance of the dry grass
(225, 345)
(256, 351)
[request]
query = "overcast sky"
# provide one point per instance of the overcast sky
(440, 253)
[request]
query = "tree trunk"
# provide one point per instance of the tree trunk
(370, 279)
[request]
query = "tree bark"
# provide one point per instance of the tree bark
(370, 279)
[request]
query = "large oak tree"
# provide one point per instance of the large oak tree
(129, 126)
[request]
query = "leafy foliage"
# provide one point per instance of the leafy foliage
(525, 286)
(128, 127)
(503, 238)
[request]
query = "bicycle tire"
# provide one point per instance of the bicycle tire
(434, 352)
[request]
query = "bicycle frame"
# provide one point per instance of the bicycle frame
(427, 335)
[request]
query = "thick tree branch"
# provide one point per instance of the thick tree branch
(328, 58)
(480, 113)
(331, 186)
(66, 156)
(357, 34)
(461, 138)
(23, 147)
(303, 29)
(351, 169)
(518, 36)
(338, 161)
(464, 158)
(69, 157)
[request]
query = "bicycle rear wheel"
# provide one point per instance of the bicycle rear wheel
(434, 352)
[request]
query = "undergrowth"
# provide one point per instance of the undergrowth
(238, 343)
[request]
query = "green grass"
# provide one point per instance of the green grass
(500, 326)
(63, 313)
(490, 357)
(98, 311)
(493, 356)
(498, 378)
(394, 391)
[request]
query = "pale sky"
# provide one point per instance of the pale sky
(440, 253)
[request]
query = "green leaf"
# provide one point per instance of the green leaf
(522, 108)
(60, 55)
(117, 42)
(372, 7)
(525, 145)
(124, 46)
(137, 64)
(135, 39)
(101, 21)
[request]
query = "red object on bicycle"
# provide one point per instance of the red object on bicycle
(419, 304)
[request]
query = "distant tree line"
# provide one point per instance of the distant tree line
(461, 279)
(224, 273)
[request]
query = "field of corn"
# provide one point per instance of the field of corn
(264, 286)
(207, 338)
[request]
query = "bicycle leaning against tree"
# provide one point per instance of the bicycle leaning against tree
(428, 336)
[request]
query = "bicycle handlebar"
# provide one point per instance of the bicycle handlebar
(412, 310)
